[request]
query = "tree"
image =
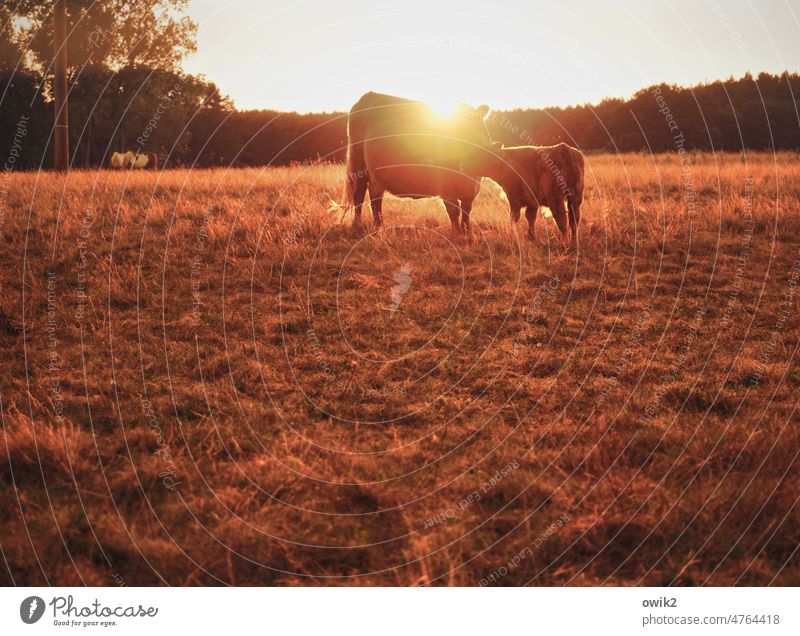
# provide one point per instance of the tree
(12, 50)
(113, 33)
(123, 57)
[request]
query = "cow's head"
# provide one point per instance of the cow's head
(469, 127)
(494, 160)
(472, 125)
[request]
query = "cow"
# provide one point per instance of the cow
(134, 160)
(118, 160)
(405, 148)
(142, 160)
(534, 176)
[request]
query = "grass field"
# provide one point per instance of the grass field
(209, 377)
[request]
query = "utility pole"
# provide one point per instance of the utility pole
(61, 146)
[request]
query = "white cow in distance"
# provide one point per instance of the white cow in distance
(118, 160)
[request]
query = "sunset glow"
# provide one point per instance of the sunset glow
(316, 56)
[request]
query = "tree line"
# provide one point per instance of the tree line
(127, 91)
(757, 113)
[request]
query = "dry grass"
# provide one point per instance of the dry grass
(232, 402)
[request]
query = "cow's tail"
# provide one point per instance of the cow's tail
(355, 164)
(348, 199)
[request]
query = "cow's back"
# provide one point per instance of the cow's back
(406, 149)
(383, 115)
(397, 130)
(537, 175)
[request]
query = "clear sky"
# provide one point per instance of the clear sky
(320, 55)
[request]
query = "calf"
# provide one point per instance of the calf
(532, 176)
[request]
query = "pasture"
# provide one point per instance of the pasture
(209, 377)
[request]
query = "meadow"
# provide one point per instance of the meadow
(209, 377)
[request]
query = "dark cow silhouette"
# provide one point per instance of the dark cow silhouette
(532, 176)
(405, 148)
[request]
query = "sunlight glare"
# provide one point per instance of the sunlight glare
(444, 110)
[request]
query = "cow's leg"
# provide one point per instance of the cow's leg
(359, 191)
(453, 211)
(531, 212)
(466, 208)
(574, 209)
(559, 211)
(514, 212)
(376, 203)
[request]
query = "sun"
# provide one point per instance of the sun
(444, 109)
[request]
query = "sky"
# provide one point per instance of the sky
(321, 55)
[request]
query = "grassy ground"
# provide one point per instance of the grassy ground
(206, 379)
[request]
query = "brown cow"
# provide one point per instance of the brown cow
(403, 147)
(532, 176)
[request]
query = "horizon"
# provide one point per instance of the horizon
(336, 53)
(623, 98)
